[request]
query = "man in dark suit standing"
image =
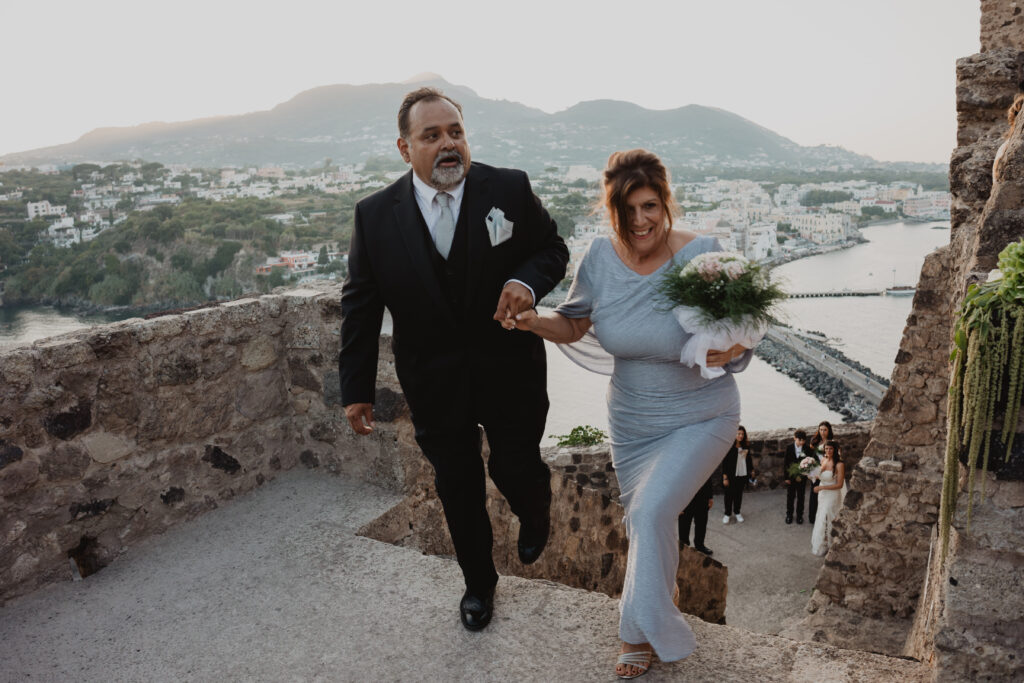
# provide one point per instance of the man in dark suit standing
(451, 249)
(696, 513)
(795, 484)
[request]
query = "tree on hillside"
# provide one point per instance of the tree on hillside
(322, 259)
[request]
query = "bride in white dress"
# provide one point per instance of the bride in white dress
(831, 492)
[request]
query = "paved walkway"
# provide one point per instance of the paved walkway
(276, 586)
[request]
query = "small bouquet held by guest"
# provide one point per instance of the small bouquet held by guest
(802, 468)
(721, 299)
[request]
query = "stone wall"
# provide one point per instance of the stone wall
(115, 433)
(875, 571)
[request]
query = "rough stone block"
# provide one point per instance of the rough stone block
(105, 447)
(258, 354)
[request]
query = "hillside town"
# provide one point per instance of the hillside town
(763, 221)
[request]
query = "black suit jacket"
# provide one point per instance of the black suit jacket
(442, 356)
(729, 463)
(792, 457)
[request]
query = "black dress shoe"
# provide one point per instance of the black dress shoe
(476, 609)
(533, 536)
(799, 520)
(789, 519)
(704, 549)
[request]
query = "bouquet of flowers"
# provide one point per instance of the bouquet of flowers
(802, 468)
(721, 299)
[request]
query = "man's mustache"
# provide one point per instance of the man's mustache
(446, 156)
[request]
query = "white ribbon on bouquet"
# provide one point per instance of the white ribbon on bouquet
(719, 334)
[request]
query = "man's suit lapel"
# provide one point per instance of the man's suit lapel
(410, 227)
(476, 203)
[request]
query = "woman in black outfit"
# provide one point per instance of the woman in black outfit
(736, 470)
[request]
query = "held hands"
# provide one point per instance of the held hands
(515, 298)
(524, 321)
(717, 359)
(360, 417)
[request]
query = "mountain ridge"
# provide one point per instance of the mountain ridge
(351, 123)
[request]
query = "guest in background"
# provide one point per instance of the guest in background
(795, 485)
(818, 441)
(736, 469)
(697, 514)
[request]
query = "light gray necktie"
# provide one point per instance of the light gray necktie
(444, 230)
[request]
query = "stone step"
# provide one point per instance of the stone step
(278, 586)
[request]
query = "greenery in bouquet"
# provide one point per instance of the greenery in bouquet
(722, 286)
(987, 377)
(801, 468)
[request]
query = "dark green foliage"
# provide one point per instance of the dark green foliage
(583, 435)
(819, 197)
(872, 211)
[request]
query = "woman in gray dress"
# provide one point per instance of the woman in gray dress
(670, 428)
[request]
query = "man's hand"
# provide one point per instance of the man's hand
(515, 298)
(711, 503)
(717, 359)
(360, 417)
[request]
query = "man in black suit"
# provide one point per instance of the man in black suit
(696, 513)
(795, 485)
(451, 249)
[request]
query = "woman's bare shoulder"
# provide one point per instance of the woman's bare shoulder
(678, 238)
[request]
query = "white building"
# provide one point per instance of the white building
(823, 228)
(44, 208)
(762, 241)
(927, 205)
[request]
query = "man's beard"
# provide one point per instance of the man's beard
(447, 178)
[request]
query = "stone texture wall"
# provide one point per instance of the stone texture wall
(1002, 24)
(115, 433)
(874, 574)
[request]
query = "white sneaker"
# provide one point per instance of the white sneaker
(725, 519)
(739, 517)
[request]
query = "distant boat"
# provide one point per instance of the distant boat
(900, 290)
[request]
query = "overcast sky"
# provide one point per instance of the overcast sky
(874, 76)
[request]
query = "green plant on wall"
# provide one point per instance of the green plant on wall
(987, 376)
(584, 435)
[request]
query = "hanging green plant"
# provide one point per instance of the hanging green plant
(988, 345)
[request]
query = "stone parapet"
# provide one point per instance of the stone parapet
(115, 433)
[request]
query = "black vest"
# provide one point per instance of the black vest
(452, 272)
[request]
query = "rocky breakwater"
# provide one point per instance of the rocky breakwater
(831, 391)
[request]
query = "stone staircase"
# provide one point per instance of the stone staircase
(278, 586)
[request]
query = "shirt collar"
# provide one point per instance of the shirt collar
(426, 193)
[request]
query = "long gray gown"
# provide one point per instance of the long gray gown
(670, 429)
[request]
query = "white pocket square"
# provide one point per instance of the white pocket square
(498, 228)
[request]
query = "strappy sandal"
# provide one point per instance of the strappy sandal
(640, 659)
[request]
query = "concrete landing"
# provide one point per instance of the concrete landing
(277, 587)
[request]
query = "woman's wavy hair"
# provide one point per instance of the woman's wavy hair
(629, 171)
(746, 441)
(837, 456)
(816, 439)
(1013, 112)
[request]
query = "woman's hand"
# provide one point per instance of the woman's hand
(717, 359)
(816, 489)
(524, 321)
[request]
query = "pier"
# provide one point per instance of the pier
(868, 387)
